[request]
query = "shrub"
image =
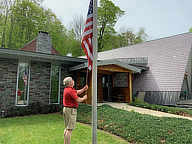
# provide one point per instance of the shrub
(34, 108)
(139, 128)
(167, 109)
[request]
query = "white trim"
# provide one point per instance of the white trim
(50, 86)
(58, 96)
(17, 82)
(28, 79)
(29, 76)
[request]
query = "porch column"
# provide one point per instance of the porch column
(130, 87)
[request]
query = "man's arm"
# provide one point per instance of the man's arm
(79, 99)
(82, 90)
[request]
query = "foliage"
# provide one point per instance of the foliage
(47, 129)
(78, 25)
(139, 128)
(33, 108)
(167, 109)
(190, 30)
(108, 15)
(123, 39)
(25, 19)
(22, 19)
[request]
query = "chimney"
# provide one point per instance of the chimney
(43, 43)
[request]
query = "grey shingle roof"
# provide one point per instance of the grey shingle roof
(109, 62)
(36, 56)
(167, 59)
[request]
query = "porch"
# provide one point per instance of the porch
(114, 80)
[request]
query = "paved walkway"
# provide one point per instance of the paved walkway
(127, 107)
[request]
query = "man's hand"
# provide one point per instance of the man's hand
(85, 87)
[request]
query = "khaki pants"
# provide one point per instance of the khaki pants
(69, 115)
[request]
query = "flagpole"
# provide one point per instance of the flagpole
(94, 75)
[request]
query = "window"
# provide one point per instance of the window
(22, 89)
(82, 80)
(55, 84)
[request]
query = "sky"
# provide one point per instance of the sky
(159, 18)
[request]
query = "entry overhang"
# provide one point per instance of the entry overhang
(110, 65)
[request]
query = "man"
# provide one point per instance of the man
(70, 103)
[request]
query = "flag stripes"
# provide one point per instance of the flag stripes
(87, 36)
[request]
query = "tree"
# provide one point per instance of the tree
(25, 19)
(108, 14)
(77, 27)
(127, 37)
(78, 24)
(4, 13)
(190, 30)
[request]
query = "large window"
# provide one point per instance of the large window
(22, 89)
(55, 84)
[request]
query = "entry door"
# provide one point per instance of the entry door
(107, 87)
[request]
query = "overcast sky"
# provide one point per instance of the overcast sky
(160, 18)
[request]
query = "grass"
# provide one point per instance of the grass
(47, 129)
(131, 126)
(139, 128)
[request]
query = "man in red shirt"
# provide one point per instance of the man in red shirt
(70, 103)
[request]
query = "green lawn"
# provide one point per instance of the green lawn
(133, 127)
(47, 129)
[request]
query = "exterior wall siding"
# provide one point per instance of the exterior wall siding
(167, 62)
(186, 86)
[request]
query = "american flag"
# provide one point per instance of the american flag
(87, 36)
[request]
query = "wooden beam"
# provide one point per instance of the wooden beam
(113, 68)
(130, 87)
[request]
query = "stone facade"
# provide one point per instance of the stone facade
(39, 82)
(44, 43)
(8, 80)
(39, 87)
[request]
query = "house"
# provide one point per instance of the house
(158, 71)
(31, 78)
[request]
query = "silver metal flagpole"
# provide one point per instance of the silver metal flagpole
(94, 75)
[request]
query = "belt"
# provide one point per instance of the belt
(70, 107)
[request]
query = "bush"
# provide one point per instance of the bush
(34, 108)
(167, 109)
(139, 128)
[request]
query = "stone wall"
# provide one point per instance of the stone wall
(8, 80)
(39, 88)
(44, 43)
